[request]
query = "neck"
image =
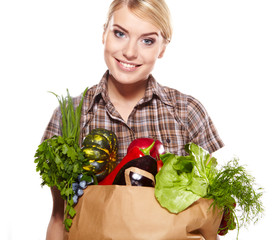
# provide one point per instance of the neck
(125, 97)
(126, 92)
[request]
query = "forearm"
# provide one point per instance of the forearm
(55, 230)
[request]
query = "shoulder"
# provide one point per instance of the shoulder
(88, 95)
(92, 93)
(183, 102)
(185, 105)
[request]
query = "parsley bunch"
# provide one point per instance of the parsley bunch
(60, 159)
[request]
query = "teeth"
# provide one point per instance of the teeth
(127, 65)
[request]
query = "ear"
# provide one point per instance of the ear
(162, 50)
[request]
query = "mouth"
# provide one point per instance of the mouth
(127, 66)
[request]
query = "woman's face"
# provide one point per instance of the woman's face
(131, 47)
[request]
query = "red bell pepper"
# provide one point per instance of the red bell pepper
(155, 151)
(135, 152)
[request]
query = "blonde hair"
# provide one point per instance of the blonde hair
(154, 11)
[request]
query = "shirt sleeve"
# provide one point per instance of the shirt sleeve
(201, 128)
(53, 127)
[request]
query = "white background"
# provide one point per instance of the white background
(224, 53)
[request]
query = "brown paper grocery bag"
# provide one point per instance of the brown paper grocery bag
(129, 212)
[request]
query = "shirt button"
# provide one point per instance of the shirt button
(133, 129)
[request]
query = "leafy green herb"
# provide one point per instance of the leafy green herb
(70, 117)
(232, 186)
(60, 159)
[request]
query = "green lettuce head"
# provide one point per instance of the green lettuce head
(184, 179)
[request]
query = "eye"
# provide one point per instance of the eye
(148, 41)
(119, 34)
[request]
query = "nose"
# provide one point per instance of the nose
(130, 50)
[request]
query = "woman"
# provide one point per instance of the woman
(128, 100)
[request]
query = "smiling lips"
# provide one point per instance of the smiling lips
(127, 66)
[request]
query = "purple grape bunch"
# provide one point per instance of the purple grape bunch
(79, 186)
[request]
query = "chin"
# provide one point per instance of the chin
(128, 78)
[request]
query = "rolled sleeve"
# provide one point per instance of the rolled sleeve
(201, 128)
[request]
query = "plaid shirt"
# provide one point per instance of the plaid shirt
(165, 114)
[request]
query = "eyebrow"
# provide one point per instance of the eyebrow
(143, 35)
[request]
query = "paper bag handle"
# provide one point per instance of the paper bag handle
(138, 171)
